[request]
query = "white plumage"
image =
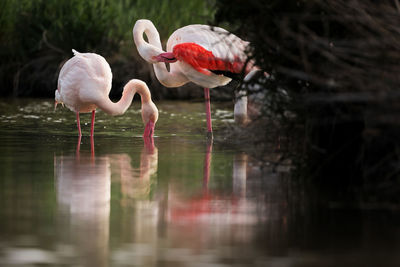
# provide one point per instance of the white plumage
(223, 45)
(84, 84)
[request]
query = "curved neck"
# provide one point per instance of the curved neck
(169, 78)
(140, 87)
(119, 107)
(149, 109)
(147, 50)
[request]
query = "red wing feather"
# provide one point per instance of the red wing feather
(200, 58)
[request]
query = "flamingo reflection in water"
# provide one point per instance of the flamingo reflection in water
(181, 217)
(225, 217)
(217, 207)
(83, 187)
(136, 181)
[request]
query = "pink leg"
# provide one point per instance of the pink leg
(92, 124)
(208, 110)
(78, 147)
(92, 147)
(79, 124)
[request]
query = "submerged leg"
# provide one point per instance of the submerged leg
(92, 124)
(92, 148)
(78, 122)
(78, 147)
(208, 111)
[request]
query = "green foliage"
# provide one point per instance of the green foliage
(37, 36)
(169, 15)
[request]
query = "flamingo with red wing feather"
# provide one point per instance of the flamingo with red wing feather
(205, 55)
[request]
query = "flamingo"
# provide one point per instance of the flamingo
(84, 84)
(205, 55)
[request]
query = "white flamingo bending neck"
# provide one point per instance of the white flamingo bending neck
(84, 84)
(130, 89)
(148, 108)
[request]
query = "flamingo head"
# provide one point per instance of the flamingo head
(167, 57)
(149, 117)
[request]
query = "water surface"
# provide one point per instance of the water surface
(175, 200)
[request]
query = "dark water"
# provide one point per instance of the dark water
(176, 200)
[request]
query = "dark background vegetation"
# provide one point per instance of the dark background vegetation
(36, 38)
(339, 63)
(337, 60)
